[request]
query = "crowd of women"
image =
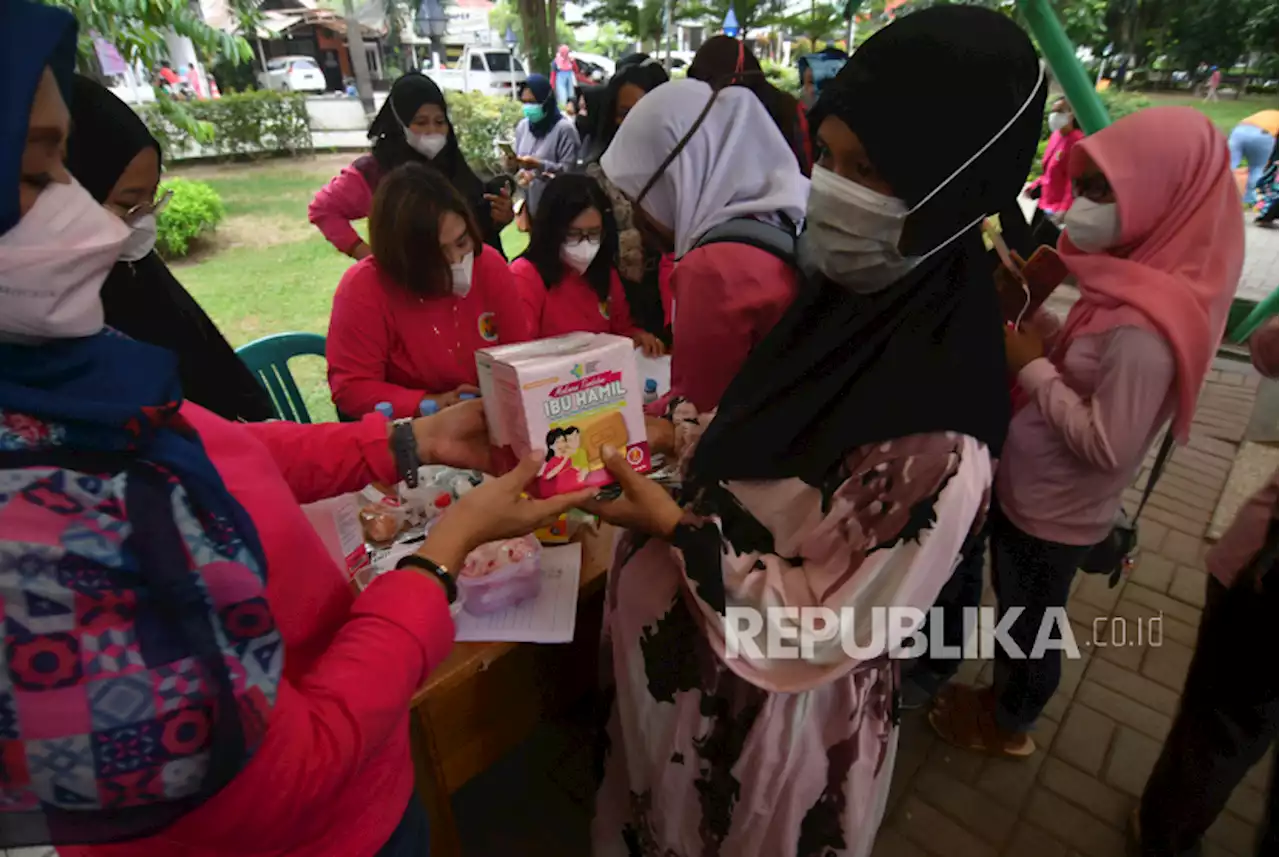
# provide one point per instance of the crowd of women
(186, 671)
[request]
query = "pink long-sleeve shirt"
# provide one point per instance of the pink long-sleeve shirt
(1055, 181)
(344, 199)
(727, 298)
(389, 345)
(570, 305)
(333, 775)
(1080, 440)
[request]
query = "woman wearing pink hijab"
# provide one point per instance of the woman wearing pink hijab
(1155, 240)
(562, 75)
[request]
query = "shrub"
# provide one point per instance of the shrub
(243, 123)
(194, 211)
(786, 78)
(478, 120)
(1123, 103)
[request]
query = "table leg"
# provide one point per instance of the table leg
(432, 787)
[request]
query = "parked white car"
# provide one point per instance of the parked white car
(492, 71)
(598, 68)
(292, 74)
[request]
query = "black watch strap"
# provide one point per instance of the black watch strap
(413, 560)
(404, 447)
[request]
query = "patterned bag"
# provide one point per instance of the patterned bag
(141, 660)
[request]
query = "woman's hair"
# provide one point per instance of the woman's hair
(564, 198)
(640, 70)
(717, 63)
(404, 228)
(552, 436)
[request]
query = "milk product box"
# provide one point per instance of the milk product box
(566, 397)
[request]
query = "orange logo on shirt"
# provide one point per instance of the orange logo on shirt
(604, 310)
(488, 327)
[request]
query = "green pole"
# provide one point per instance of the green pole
(1061, 57)
(1263, 311)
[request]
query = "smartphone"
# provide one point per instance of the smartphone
(507, 149)
(1024, 287)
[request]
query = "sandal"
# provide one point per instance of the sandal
(965, 717)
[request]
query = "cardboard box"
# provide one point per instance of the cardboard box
(566, 397)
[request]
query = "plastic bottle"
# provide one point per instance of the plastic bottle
(428, 407)
(650, 391)
(385, 409)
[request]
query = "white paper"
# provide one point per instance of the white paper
(549, 618)
(657, 368)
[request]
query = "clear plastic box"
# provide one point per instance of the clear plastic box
(509, 583)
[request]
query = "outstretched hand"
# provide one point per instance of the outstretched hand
(645, 506)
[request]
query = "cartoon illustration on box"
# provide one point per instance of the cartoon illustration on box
(566, 397)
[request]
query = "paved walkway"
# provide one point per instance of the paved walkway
(1102, 732)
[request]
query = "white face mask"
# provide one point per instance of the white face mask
(461, 272)
(852, 233)
(427, 145)
(1092, 226)
(1058, 121)
(579, 256)
(141, 240)
(53, 264)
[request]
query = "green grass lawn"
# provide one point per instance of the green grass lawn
(268, 270)
(1226, 114)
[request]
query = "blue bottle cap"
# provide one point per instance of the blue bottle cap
(650, 385)
(462, 397)
(385, 409)
(428, 407)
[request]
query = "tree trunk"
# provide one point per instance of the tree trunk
(533, 16)
(359, 64)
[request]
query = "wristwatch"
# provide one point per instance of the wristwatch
(441, 573)
(404, 448)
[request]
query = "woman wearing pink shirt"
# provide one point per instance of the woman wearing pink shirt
(413, 126)
(1156, 242)
(1052, 190)
(687, 173)
(407, 321)
(566, 279)
(1227, 718)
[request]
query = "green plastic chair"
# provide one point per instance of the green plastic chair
(268, 359)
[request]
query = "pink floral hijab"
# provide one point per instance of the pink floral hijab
(1181, 240)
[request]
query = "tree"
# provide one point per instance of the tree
(642, 21)
(750, 13)
(137, 27)
(505, 14)
(821, 21)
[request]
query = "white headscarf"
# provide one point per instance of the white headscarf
(736, 165)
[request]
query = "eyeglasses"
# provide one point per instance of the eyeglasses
(142, 209)
(577, 236)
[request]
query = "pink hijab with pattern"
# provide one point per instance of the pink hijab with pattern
(1181, 239)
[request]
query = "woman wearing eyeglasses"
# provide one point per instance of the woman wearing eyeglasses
(117, 160)
(567, 279)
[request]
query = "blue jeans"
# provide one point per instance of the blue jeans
(564, 89)
(411, 837)
(1250, 143)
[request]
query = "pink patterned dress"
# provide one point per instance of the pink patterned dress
(709, 756)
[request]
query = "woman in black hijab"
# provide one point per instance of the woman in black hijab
(644, 271)
(848, 464)
(115, 158)
(412, 126)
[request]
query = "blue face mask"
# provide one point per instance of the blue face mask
(534, 112)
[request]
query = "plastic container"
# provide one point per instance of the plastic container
(501, 574)
(650, 391)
